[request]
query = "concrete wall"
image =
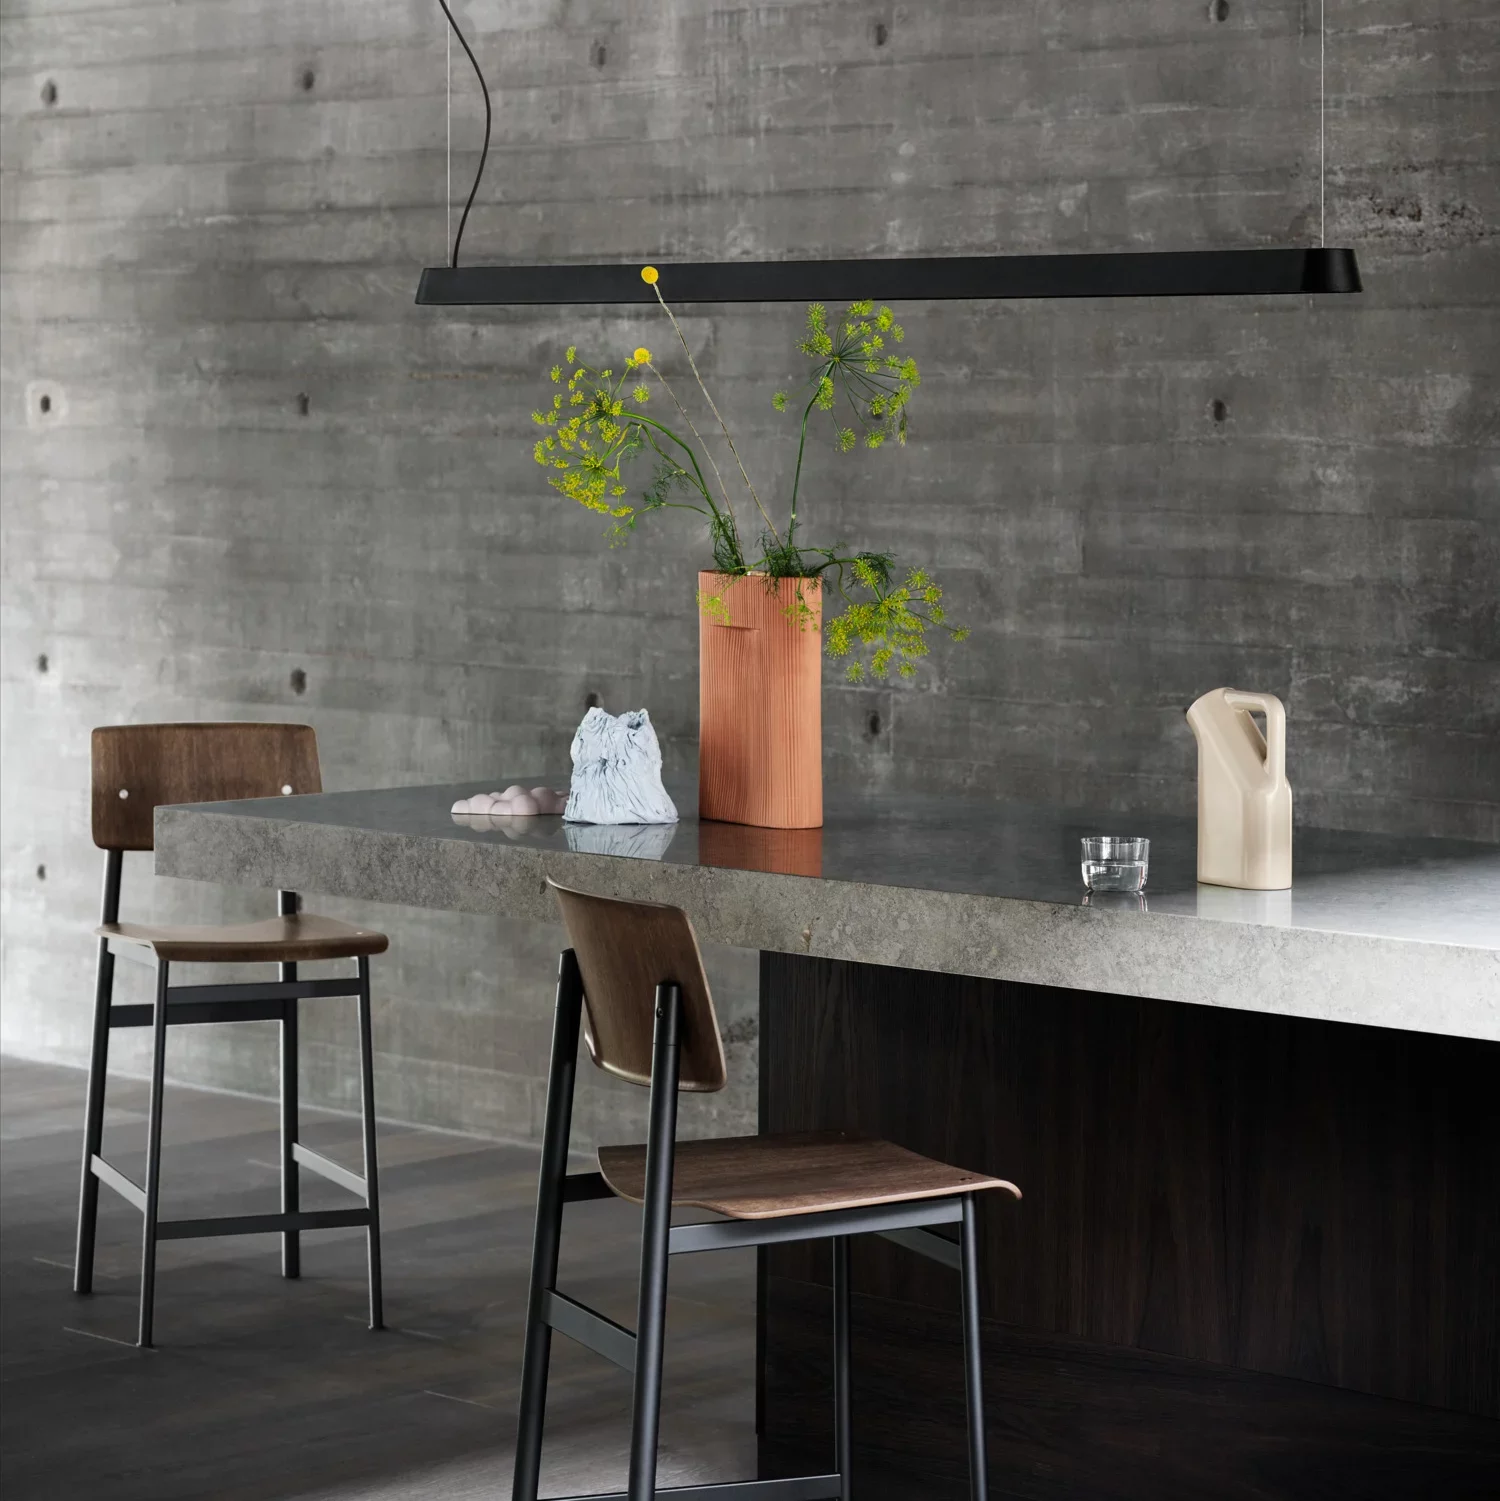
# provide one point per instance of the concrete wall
(244, 476)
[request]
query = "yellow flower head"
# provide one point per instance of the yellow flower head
(641, 357)
(649, 275)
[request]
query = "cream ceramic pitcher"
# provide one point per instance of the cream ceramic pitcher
(1244, 798)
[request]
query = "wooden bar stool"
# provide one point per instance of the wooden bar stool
(636, 972)
(136, 768)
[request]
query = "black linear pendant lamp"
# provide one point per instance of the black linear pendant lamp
(1152, 273)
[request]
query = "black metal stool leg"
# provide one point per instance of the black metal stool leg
(93, 1110)
(651, 1307)
(153, 1155)
(548, 1235)
(843, 1430)
(291, 1187)
(973, 1371)
(372, 1170)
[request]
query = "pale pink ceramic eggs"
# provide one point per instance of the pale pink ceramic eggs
(514, 802)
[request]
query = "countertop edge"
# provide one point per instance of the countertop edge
(1405, 983)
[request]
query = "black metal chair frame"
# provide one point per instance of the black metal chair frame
(641, 1352)
(177, 1005)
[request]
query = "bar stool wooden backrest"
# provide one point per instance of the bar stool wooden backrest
(625, 950)
(138, 767)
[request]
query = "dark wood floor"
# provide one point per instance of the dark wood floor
(262, 1388)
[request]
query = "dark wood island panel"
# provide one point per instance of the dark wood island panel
(1258, 1256)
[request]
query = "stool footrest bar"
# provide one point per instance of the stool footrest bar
(127, 1188)
(590, 1328)
(265, 990)
(198, 1013)
(792, 1488)
(254, 1001)
(315, 1162)
(262, 1224)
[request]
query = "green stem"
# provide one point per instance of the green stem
(678, 505)
(707, 451)
(791, 530)
(722, 525)
(708, 397)
(687, 448)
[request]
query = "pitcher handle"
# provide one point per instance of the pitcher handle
(1271, 707)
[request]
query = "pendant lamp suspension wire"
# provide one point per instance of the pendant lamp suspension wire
(484, 153)
(448, 155)
(1322, 130)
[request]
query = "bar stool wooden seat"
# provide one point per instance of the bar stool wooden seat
(277, 940)
(634, 982)
(136, 768)
(766, 1177)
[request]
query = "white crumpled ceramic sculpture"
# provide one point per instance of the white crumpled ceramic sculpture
(617, 771)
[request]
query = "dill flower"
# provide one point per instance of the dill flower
(598, 422)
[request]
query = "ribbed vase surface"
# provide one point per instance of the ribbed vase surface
(760, 702)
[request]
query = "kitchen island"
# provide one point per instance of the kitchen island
(1258, 1134)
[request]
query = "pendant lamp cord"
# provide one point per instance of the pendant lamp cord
(463, 218)
(448, 155)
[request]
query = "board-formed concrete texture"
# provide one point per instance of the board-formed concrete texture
(245, 476)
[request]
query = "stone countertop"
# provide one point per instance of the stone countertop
(1391, 932)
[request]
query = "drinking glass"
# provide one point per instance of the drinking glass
(1111, 863)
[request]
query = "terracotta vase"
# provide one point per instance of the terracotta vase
(760, 703)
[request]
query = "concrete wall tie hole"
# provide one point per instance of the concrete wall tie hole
(299, 681)
(1220, 410)
(309, 78)
(882, 33)
(42, 664)
(49, 93)
(1218, 10)
(46, 404)
(304, 403)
